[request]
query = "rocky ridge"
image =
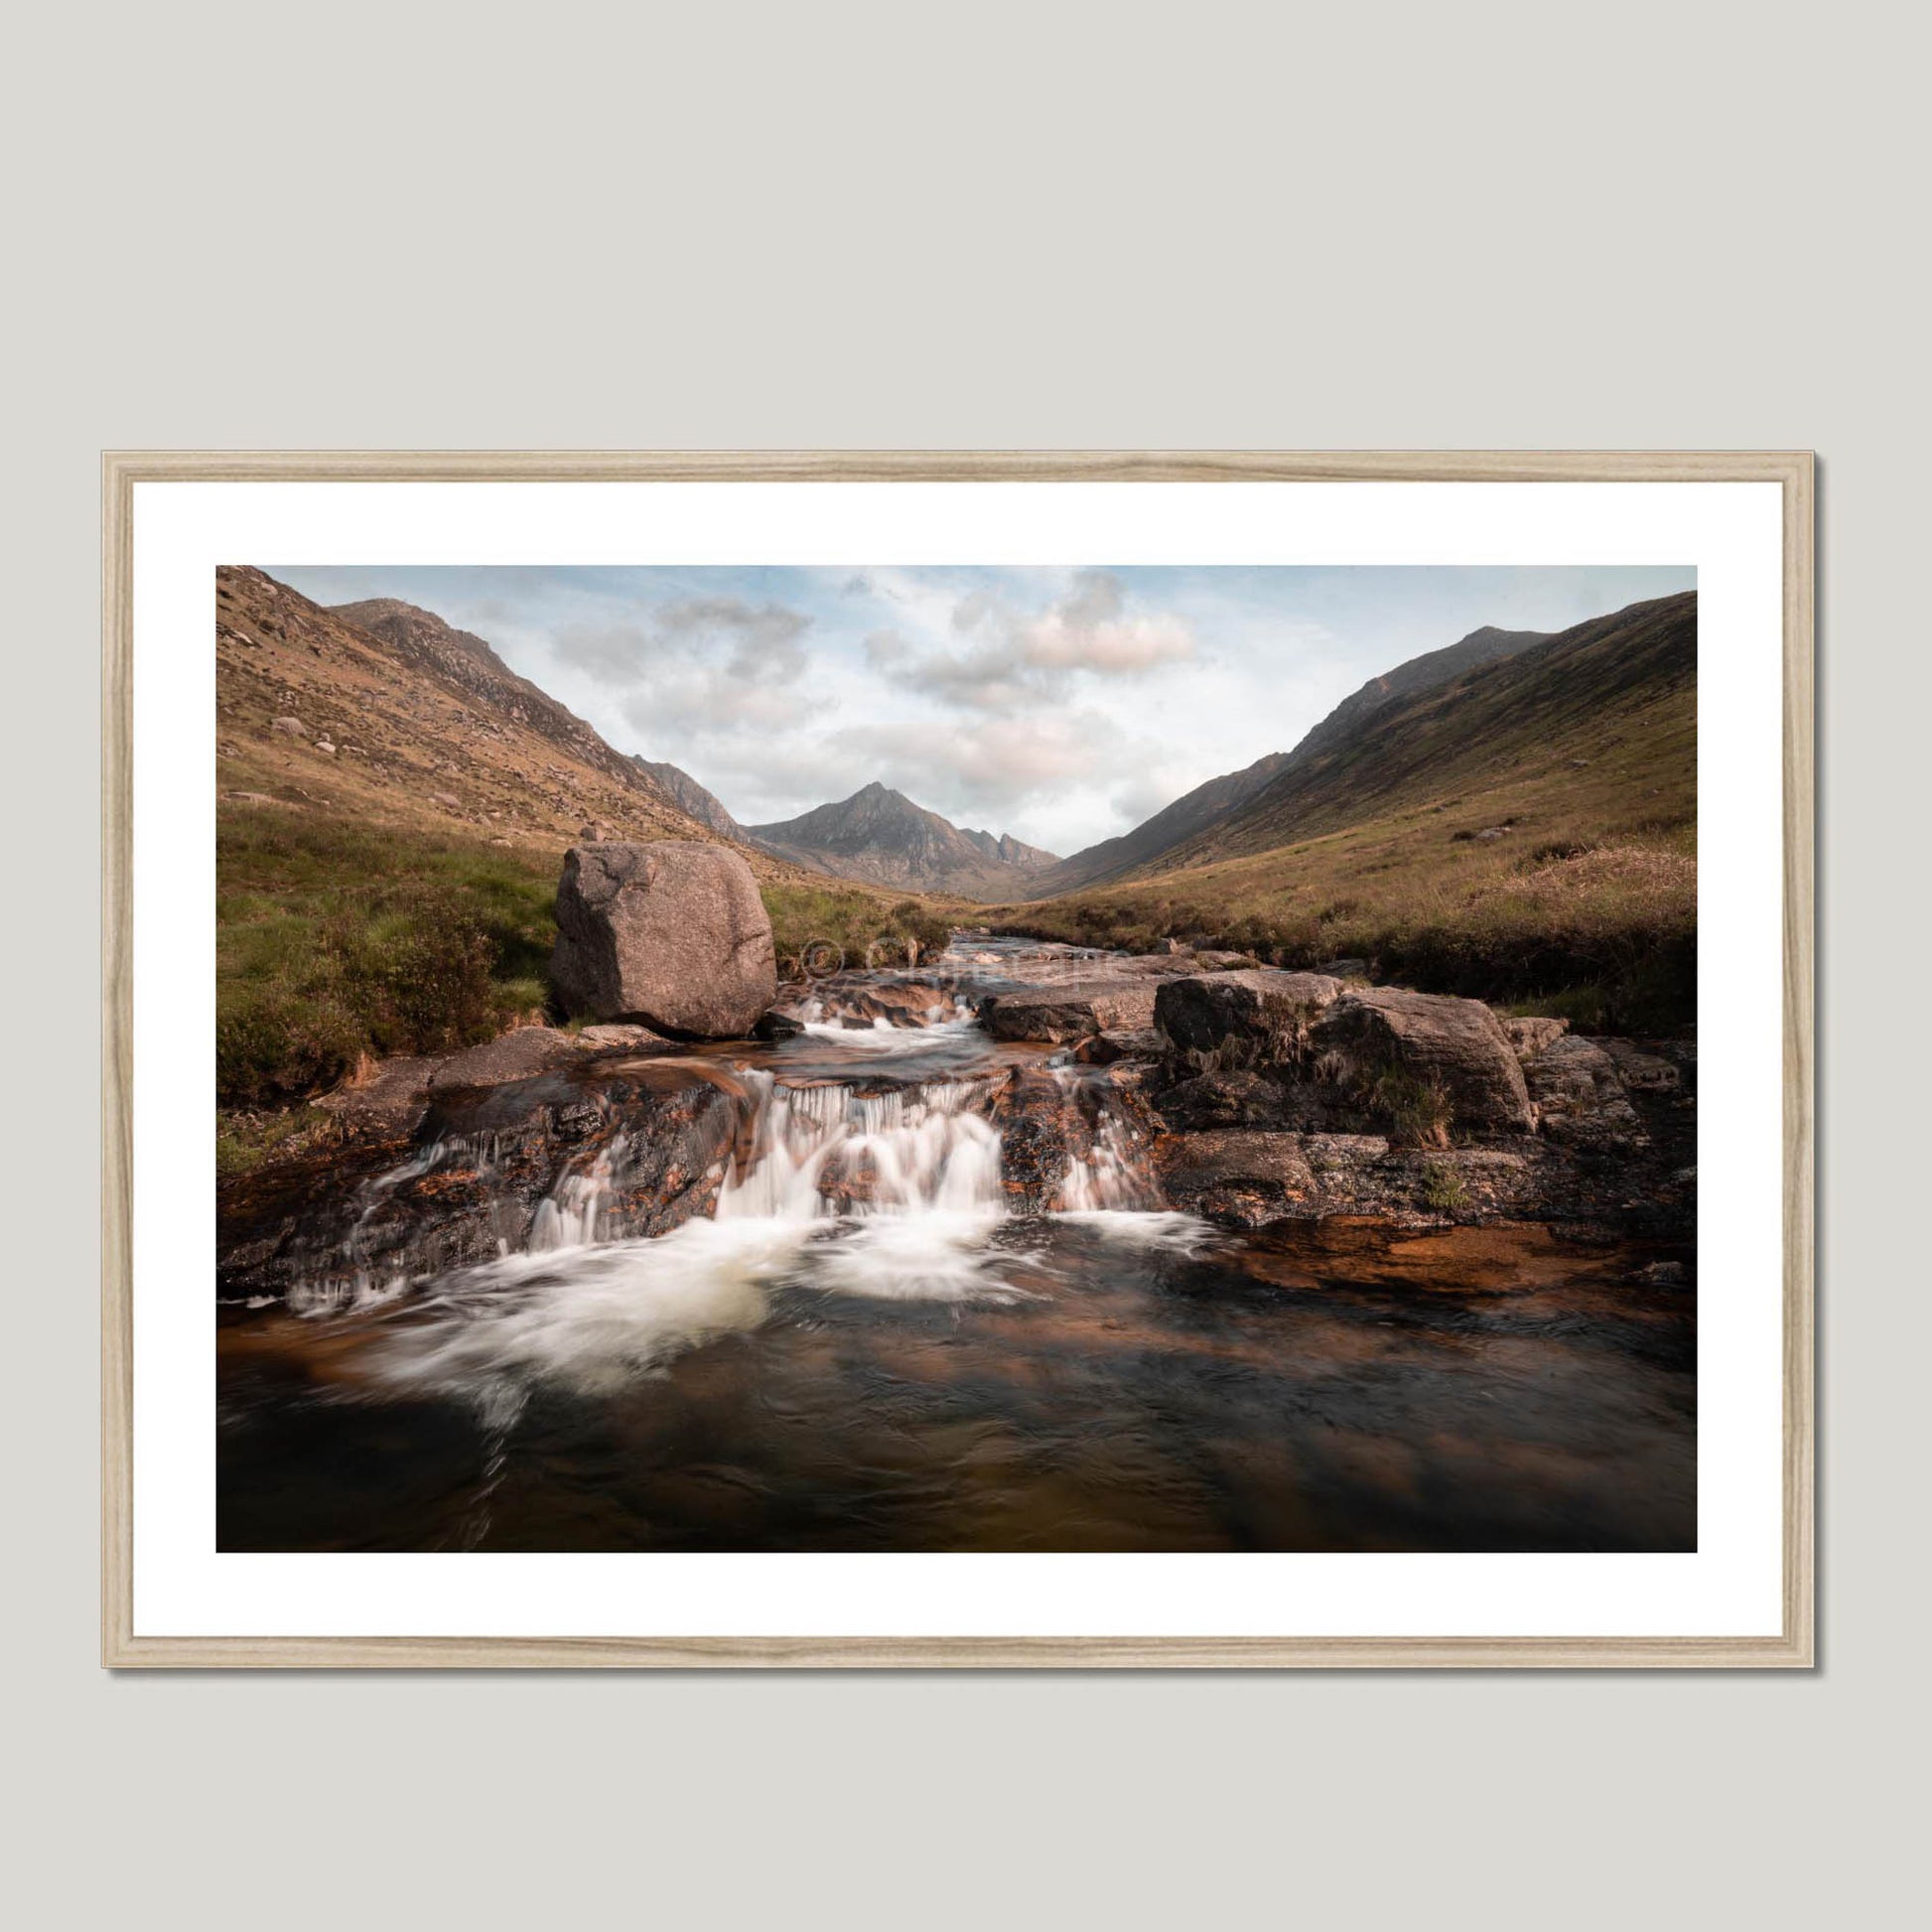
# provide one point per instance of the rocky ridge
(879, 837)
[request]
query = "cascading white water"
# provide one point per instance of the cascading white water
(350, 1278)
(893, 1195)
(571, 1216)
(1109, 1174)
(919, 1149)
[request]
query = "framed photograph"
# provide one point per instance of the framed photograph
(957, 1060)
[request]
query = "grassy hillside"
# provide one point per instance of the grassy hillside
(336, 938)
(393, 807)
(418, 728)
(1527, 834)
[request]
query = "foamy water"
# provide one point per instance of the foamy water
(867, 1344)
(891, 1195)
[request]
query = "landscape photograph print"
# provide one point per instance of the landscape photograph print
(998, 1058)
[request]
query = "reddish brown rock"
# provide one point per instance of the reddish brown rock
(1239, 1180)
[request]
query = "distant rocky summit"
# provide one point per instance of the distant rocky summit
(690, 797)
(671, 935)
(880, 836)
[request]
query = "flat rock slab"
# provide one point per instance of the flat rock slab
(1239, 1180)
(1126, 1043)
(1071, 1011)
(629, 1039)
(511, 1057)
(384, 1102)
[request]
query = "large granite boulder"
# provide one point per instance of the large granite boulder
(671, 935)
(1253, 1018)
(1382, 1037)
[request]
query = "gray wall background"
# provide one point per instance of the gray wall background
(1473, 226)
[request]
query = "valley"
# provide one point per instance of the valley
(1311, 1167)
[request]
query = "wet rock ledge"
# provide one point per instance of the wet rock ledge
(1293, 1096)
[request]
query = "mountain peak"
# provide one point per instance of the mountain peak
(881, 836)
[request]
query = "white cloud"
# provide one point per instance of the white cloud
(696, 664)
(1014, 659)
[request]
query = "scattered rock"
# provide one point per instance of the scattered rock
(293, 727)
(1531, 1035)
(1257, 1017)
(672, 936)
(1457, 1046)
(323, 744)
(446, 801)
(1579, 1100)
(1641, 1071)
(775, 1024)
(1060, 1013)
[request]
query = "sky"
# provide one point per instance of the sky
(1063, 705)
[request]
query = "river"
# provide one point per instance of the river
(877, 1341)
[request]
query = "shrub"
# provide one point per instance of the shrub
(277, 1041)
(1442, 1188)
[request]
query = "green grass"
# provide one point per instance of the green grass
(1565, 914)
(336, 941)
(1442, 1188)
(1418, 1111)
(850, 923)
(245, 1141)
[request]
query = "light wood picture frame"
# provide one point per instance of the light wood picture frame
(125, 1647)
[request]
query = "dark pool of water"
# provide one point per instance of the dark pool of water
(1093, 1386)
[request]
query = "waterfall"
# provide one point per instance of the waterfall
(919, 1149)
(570, 1215)
(353, 1270)
(1111, 1175)
(890, 1137)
